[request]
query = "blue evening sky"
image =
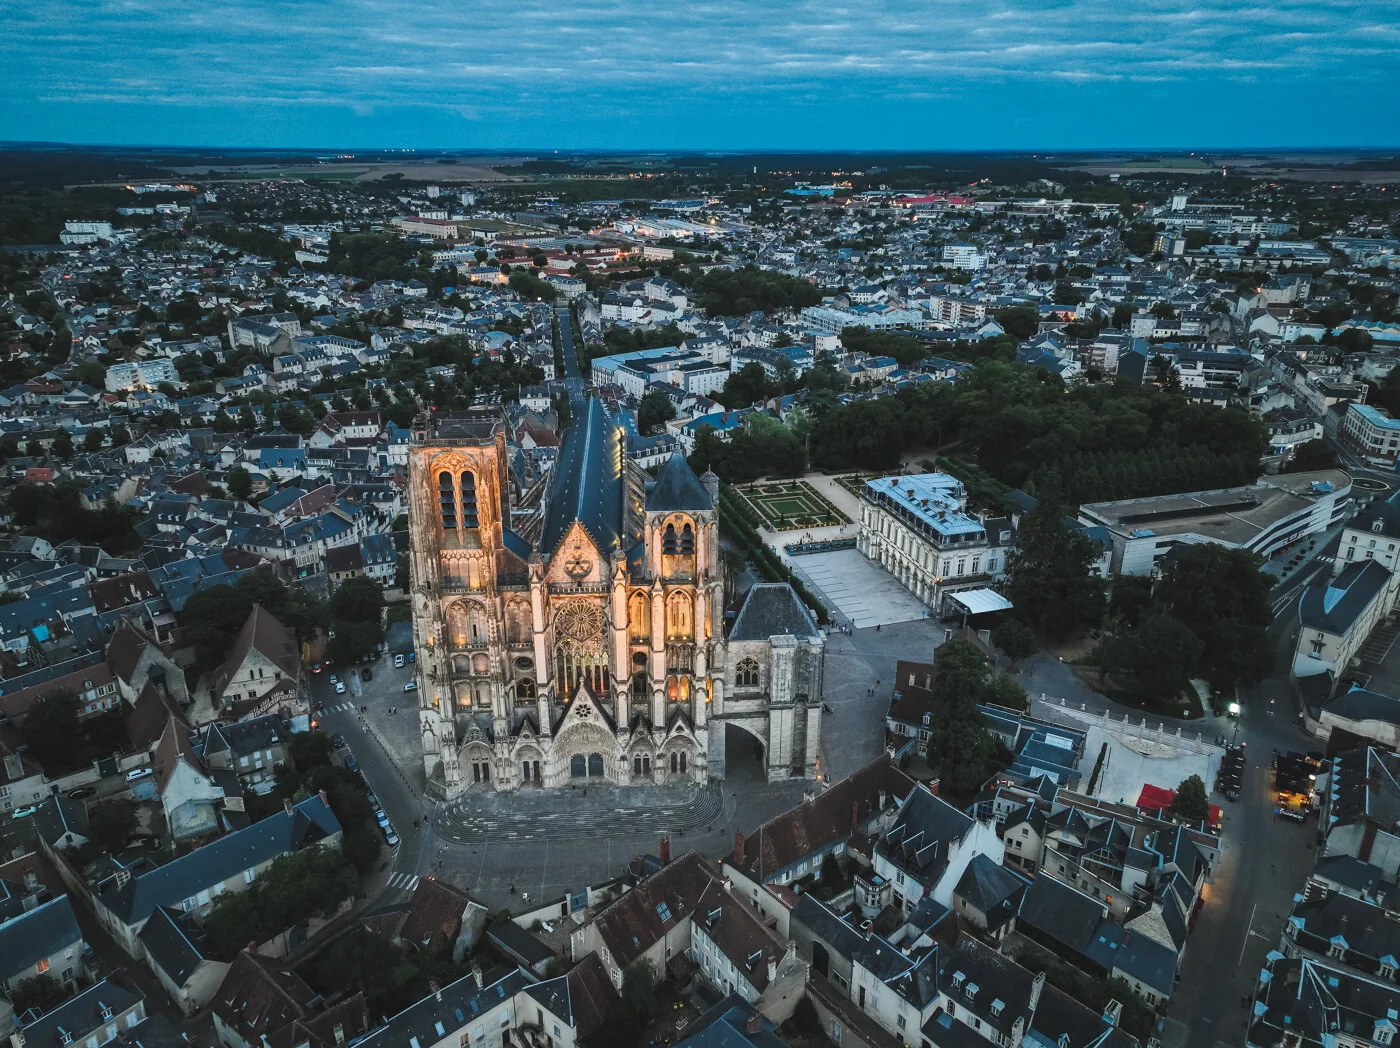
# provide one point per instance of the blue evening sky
(719, 74)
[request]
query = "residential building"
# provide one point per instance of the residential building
(1371, 433)
(96, 1017)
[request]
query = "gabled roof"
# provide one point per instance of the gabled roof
(175, 943)
(588, 483)
(1061, 913)
(41, 932)
(435, 911)
(771, 609)
(826, 819)
(629, 925)
(582, 998)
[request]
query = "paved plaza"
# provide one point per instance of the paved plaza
(549, 842)
(863, 593)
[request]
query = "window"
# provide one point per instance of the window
(447, 503)
(42, 966)
(469, 514)
(746, 674)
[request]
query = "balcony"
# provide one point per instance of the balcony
(580, 587)
(457, 584)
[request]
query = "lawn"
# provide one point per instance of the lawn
(791, 506)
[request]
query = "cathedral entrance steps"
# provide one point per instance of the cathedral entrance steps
(606, 811)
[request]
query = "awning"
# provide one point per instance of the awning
(979, 601)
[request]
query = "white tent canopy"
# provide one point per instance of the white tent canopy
(979, 601)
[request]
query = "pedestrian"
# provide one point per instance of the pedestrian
(525, 898)
(512, 887)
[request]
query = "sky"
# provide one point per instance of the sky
(719, 74)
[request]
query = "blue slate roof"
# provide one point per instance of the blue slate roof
(588, 483)
(39, 933)
(169, 885)
(677, 488)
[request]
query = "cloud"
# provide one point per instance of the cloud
(694, 65)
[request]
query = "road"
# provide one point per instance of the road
(574, 381)
(397, 794)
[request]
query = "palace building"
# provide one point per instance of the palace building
(577, 633)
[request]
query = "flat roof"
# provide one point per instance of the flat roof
(1229, 515)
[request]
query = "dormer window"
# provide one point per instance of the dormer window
(1376, 526)
(958, 979)
(1383, 1032)
(998, 1006)
(1337, 948)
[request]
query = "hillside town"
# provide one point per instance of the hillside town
(702, 607)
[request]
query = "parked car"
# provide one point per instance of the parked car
(20, 813)
(351, 762)
(340, 687)
(366, 675)
(412, 656)
(398, 662)
(137, 774)
(83, 791)
(338, 741)
(390, 837)
(411, 686)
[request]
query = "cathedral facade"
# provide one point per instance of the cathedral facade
(579, 635)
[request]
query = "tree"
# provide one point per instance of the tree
(50, 728)
(40, 992)
(960, 744)
(1223, 596)
(1191, 804)
(353, 641)
(357, 599)
(655, 409)
(1160, 657)
(93, 440)
(1016, 640)
(1019, 321)
(748, 385)
(1311, 455)
(240, 482)
(1048, 577)
(298, 886)
(110, 824)
(120, 436)
(63, 445)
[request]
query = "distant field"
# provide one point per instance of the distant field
(429, 172)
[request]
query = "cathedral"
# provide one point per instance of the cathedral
(577, 632)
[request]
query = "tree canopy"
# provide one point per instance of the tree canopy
(1222, 596)
(731, 292)
(1048, 579)
(298, 886)
(1191, 803)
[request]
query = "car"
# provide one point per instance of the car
(411, 686)
(398, 662)
(21, 813)
(83, 791)
(366, 675)
(351, 762)
(381, 817)
(338, 741)
(136, 774)
(373, 800)
(412, 656)
(340, 687)
(390, 837)
(316, 668)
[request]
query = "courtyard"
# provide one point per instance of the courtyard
(791, 505)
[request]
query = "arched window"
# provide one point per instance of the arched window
(678, 616)
(639, 687)
(469, 517)
(746, 674)
(669, 545)
(687, 541)
(447, 502)
(518, 626)
(639, 617)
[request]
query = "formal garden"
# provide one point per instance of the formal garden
(790, 505)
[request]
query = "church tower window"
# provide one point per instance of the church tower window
(447, 502)
(469, 515)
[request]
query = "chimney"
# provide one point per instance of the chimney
(1112, 1012)
(772, 966)
(322, 795)
(1037, 985)
(855, 815)
(287, 805)
(437, 989)
(123, 878)
(883, 796)
(738, 848)
(665, 849)
(753, 1026)
(476, 976)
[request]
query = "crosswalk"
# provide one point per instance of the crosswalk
(341, 708)
(405, 881)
